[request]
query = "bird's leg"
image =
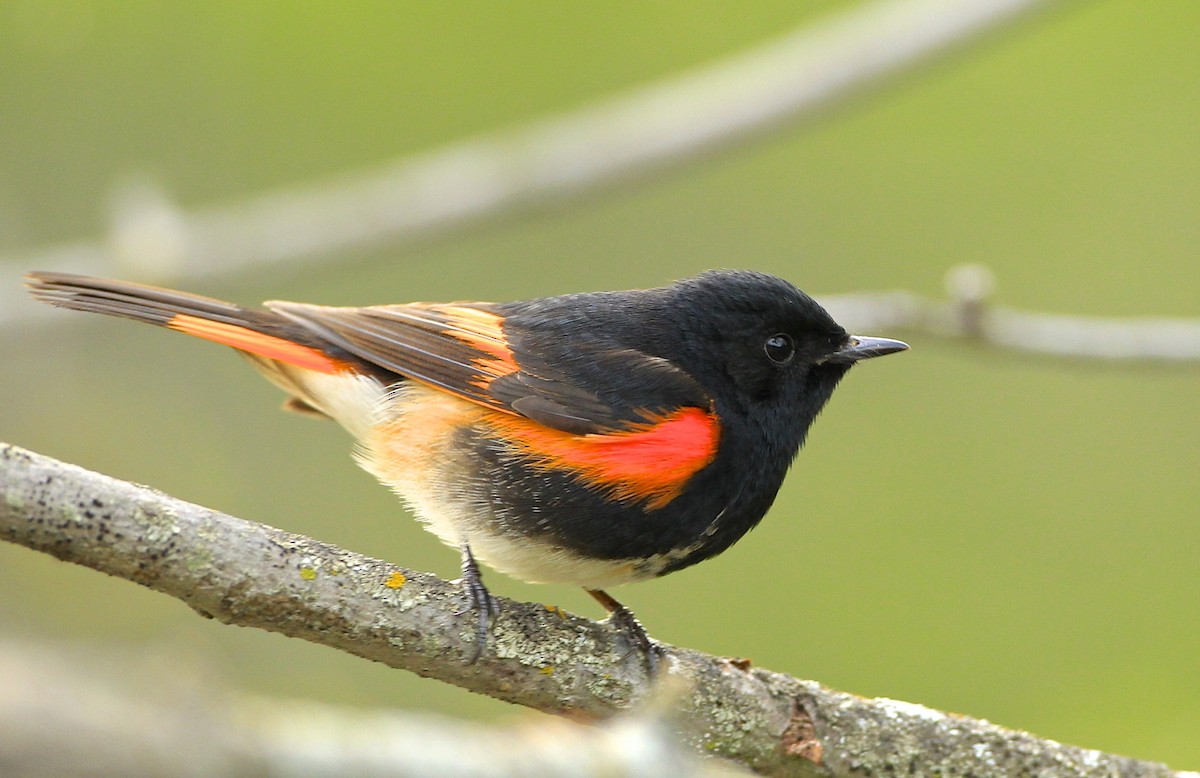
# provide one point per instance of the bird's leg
(479, 599)
(623, 619)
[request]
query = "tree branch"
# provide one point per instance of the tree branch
(970, 316)
(249, 574)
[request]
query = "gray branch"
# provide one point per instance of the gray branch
(969, 315)
(248, 574)
(672, 121)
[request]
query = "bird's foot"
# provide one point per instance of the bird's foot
(623, 619)
(480, 600)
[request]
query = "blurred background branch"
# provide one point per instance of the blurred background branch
(670, 122)
(969, 315)
(780, 82)
(247, 574)
(95, 713)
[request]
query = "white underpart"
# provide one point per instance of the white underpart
(537, 562)
(357, 402)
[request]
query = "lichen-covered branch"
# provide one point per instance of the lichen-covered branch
(252, 575)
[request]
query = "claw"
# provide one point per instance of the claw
(480, 600)
(623, 619)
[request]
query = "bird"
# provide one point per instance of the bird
(591, 439)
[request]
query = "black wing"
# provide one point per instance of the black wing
(581, 387)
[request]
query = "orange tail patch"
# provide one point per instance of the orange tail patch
(267, 346)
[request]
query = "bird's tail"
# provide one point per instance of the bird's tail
(258, 333)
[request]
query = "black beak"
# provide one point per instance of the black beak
(861, 347)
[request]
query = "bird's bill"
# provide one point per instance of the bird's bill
(860, 347)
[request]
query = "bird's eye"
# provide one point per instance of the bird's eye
(779, 348)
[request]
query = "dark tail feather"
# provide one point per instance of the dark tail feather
(135, 301)
(264, 333)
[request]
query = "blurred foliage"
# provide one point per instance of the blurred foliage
(1013, 538)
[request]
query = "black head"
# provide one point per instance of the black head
(753, 332)
(759, 343)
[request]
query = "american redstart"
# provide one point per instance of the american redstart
(592, 439)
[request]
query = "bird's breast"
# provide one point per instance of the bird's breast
(542, 504)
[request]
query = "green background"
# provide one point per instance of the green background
(1009, 537)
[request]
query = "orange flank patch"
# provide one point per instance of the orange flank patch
(267, 346)
(651, 462)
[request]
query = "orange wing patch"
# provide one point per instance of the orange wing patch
(267, 346)
(651, 463)
(484, 331)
